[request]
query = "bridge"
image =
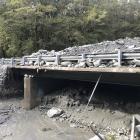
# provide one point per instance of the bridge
(35, 68)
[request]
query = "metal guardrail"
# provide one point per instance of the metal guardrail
(57, 59)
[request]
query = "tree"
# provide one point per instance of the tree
(29, 25)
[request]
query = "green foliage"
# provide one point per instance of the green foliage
(95, 15)
(110, 137)
(29, 25)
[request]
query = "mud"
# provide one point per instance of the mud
(109, 113)
(32, 125)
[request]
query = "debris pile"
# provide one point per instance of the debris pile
(3, 78)
(127, 45)
(106, 115)
(3, 75)
(8, 87)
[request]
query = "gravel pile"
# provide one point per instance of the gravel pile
(3, 75)
(8, 87)
(127, 45)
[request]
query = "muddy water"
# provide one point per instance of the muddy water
(31, 125)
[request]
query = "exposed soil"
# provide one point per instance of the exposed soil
(109, 113)
(33, 125)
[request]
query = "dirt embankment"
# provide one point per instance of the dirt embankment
(109, 112)
(9, 86)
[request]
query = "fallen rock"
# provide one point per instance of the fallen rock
(136, 62)
(137, 128)
(46, 129)
(31, 63)
(73, 125)
(54, 112)
(61, 119)
(137, 116)
(89, 64)
(97, 63)
(82, 64)
(36, 63)
(66, 64)
(49, 64)
(120, 42)
(136, 49)
(42, 63)
(131, 47)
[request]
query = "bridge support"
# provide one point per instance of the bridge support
(31, 94)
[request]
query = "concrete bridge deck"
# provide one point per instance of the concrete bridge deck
(95, 69)
(36, 67)
(32, 80)
(116, 75)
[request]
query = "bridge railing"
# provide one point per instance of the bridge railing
(57, 59)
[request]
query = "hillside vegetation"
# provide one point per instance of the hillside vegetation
(29, 25)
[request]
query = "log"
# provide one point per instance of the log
(132, 128)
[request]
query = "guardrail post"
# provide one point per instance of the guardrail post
(39, 60)
(23, 61)
(57, 60)
(119, 57)
(12, 62)
(2, 61)
(83, 56)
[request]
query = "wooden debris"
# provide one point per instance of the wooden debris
(132, 128)
(96, 133)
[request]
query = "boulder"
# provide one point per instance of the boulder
(66, 64)
(131, 47)
(73, 125)
(120, 42)
(36, 63)
(52, 52)
(82, 65)
(54, 112)
(136, 62)
(97, 63)
(49, 64)
(31, 63)
(137, 129)
(137, 116)
(42, 63)
(89, 62)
